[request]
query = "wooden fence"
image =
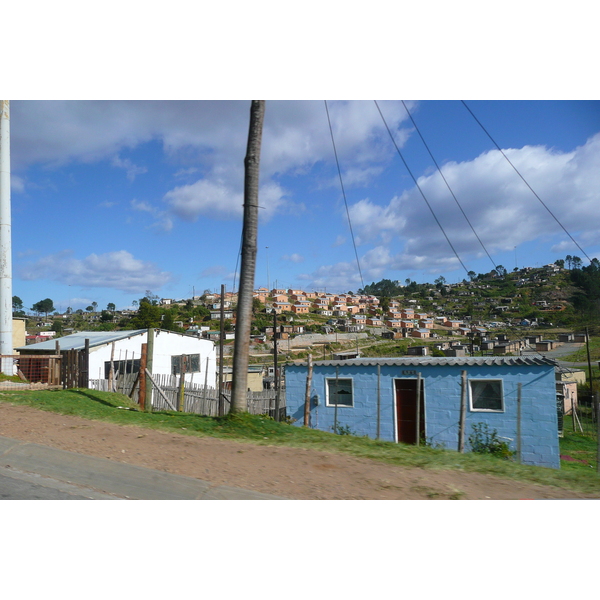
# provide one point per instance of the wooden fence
(197, 398)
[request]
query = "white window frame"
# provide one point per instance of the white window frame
(332, 379)
(486, 410)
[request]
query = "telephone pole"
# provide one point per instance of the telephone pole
(239, 397)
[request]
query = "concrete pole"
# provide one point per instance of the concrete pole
(6, 334)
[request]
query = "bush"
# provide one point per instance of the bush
(484, 441)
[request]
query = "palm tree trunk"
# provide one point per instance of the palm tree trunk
(239, 398)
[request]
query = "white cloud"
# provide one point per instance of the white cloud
(162, 220)
(132, 170)
(497, 202)
(295, 258)
(17, 184)
(118, 270)
(212, 134)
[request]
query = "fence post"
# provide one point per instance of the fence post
(181, 394)
(378, 401)
(597, 403)
(84, 362)
(463, 412)
(56, 375)
(142, 377)
(519, 396)
(308, 388)
(418, 416)
(111, 370)
(148, 369)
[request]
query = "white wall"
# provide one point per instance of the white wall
(166, 345)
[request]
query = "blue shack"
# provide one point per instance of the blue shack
(377, 397)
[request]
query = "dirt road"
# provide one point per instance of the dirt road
(293, 473)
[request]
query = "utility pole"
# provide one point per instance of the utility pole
(275, 366)
(239, 397)
(6, 343)
(221, 401)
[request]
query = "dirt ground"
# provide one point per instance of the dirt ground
(290, 472)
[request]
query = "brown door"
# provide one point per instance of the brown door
(406, 411)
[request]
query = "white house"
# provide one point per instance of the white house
(168, 348)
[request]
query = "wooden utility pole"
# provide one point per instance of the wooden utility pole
(239, 397)
(275, 367)
(221, 400)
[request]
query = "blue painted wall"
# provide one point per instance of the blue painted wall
(442, 391)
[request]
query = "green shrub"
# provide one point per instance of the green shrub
(484, 441)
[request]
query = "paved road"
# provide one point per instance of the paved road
(560, 352)
(32, 471)
(18, 485)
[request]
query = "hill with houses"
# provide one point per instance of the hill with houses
(445, 317)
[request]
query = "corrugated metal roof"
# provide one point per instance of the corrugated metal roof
(422, 361)
(76, 341)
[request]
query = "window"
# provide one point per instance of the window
(339, 391)
(192, 364)
(486, 395)
(122, 366)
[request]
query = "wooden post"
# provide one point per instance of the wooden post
(378, 401)
(587, 345)
(239, 391)
(307, 395)
(519, 448)
(205, 380)
(276, 375)
(418, 416)
(463, 412)
(84, 373)
(181, 394)
(111, 370)
(57, 364)
(142, 377)
(221, 401)
(597, 402)
(337, 376)
(148, 369)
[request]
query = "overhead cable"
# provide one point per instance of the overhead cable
(447, 184)
(344, 195)
(420, 190)
(525, 181)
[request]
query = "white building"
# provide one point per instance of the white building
(168, 348)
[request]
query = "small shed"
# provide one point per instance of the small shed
(378, 398)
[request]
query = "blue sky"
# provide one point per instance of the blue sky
(113, 198)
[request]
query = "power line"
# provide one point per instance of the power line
(419, 188)
(344, 195)
(447, 184)
(525, 181)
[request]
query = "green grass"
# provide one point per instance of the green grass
(256, 429)
(581, 354)
(579, 449)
